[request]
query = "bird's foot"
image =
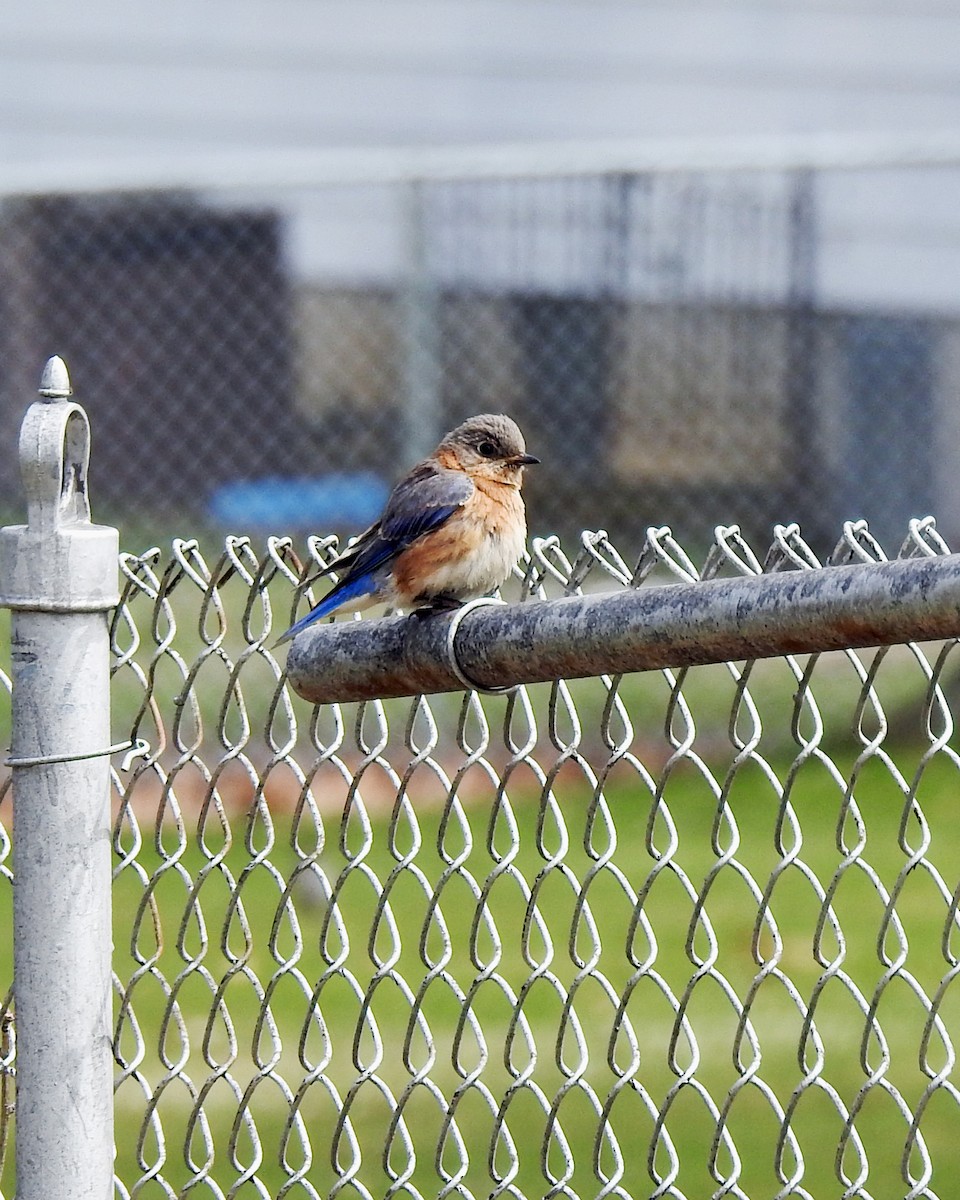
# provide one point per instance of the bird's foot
(438, 604)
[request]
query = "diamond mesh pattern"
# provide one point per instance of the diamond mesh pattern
(682, 934)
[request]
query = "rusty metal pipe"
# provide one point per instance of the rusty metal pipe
(721, 620)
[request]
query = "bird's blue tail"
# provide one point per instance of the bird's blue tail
(351, 589)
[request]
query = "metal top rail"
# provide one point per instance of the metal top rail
(716, 621)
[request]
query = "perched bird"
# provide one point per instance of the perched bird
(452, 529)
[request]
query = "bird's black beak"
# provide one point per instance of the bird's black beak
(524, 460)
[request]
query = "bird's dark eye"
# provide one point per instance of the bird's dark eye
(487, 449)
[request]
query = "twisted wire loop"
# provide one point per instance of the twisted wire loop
(687, 933)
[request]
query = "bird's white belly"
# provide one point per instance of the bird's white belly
(483, 570)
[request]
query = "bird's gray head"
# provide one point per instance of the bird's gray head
(490, 445)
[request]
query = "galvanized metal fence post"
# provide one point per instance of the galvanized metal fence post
(58, 573)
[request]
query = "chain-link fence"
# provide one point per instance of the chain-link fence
(675, 343)
(682, 933)
(687, 933)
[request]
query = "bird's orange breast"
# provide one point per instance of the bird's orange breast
(470, 554)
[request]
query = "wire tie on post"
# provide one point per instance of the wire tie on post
(137, 748)
(454, 663)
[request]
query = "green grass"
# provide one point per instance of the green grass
(242, 941)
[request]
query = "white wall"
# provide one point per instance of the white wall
(135, 73)
(107, 80)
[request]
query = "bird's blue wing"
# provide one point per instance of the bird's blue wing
(422, 502)
(418, 504)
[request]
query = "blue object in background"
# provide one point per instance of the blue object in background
(281, 504)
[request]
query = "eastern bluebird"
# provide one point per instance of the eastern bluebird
(452, 529)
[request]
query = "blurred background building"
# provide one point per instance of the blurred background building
(706, 252)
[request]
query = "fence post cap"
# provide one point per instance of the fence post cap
(59, 561)
(55, 380)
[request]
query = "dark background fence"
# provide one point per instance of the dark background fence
(662, 337)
